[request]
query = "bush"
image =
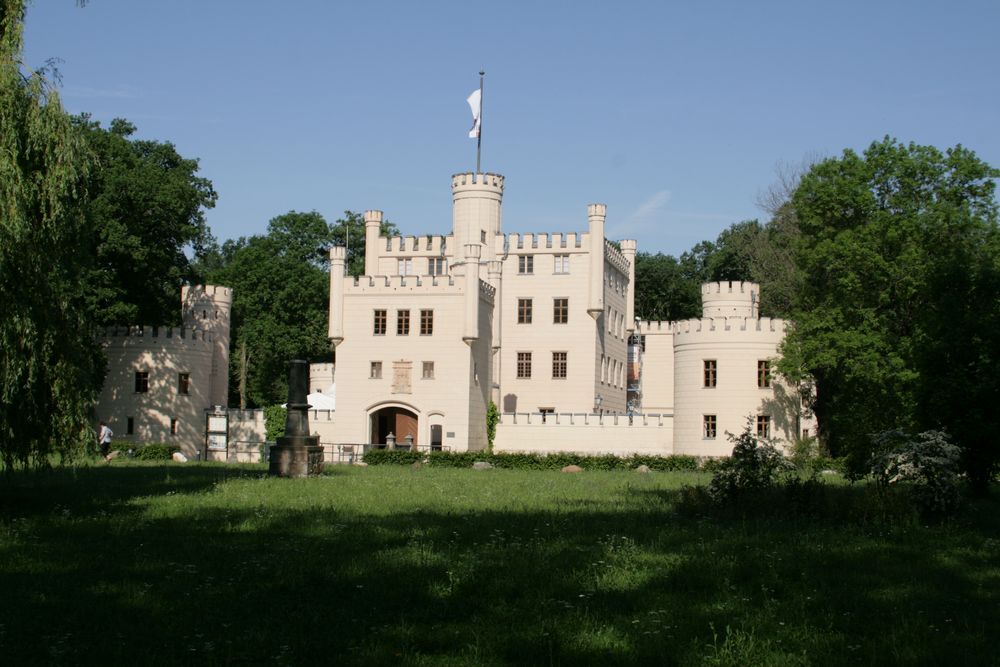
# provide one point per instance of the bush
(155, 452)
(926, 465)
(526, 461)
(274, 422)
(756, 465)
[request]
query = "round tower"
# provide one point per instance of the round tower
(476, 200)
(730, 298)
(208, 308)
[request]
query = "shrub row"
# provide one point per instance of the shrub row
(159, 451)
(530, 461)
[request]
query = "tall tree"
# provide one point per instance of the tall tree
(146, 210)
(889, 242)
(51, 366)
(280, 303)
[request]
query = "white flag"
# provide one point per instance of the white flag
(475, 101)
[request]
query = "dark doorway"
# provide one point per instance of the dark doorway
(398, 421)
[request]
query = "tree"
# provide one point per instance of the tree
(897, 253)
(349, 231)
(51, 367)
(146, 207)
(280, 303)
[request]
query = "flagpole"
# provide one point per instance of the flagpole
(479, 139)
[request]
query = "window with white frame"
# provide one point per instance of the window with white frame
(525, 264)
(561, 264)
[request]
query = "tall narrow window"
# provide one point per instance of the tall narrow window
(379, 324)
(376, 370)
(402, 323)
(763, 373)
(525, 264)
(428, 370)
(523, 365)
(524, 311)
(141, 382)
(173, 426)
(559, 365)
(184, 383)
(710, 427)
(130, 426)
(482, 236)
(711, 370)
(560, 310)
(763, 426)
(561, 264)
(426, 322)
(405, 266)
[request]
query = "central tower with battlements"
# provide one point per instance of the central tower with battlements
(476, 201)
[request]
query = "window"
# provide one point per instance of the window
(525, 264)
(559, 365)
(523, 365)
(426, 322)
(763, 373)
(604, 368)
(402, 323)
(561, 264)
(710, 372)
(437, 266)
(805, 433)
(482, 236)
(560, 310)
(404, 266)
(130, 426)
(141, 382)
(763, 426)
(524, 311)
(379, 328)
(184, 383)
(173, 426)
(428, 370)
(376, 371)
(710, 427)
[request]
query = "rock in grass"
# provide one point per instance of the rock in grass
(180, 458)
(417, 465)
(572, 468)
(482, 465)
(361, 464)
(642, 468)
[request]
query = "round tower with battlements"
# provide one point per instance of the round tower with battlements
(476, 200)
(208, 307)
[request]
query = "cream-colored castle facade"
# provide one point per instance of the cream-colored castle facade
(541, 324)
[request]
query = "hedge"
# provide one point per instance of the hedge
(530, 461)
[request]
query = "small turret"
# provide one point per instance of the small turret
(596, 215)
(730, 298)
(476, 217)
(373, 225)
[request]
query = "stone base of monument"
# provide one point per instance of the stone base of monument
(296, 456)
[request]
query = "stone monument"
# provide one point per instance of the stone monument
(297, 454)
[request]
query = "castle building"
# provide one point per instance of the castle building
(440, 326)
(161, 380)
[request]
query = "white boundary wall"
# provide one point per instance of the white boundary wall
(586, 434)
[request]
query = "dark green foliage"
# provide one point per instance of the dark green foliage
(146, 208)
(155, 452)
(274, 422)
(50, 365)
(897, 318)
(492, 419)
(349, 231)
(755, 466)
(531, 461)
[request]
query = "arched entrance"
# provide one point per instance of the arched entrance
(396, 420)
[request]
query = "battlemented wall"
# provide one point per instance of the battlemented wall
(585, 434)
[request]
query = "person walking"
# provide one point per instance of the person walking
(104, 436)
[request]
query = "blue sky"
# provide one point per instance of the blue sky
(674, 114)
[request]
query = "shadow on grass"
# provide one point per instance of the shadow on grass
(176, 573)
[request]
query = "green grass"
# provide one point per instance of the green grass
(201, 564)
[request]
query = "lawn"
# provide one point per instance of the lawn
(202, 564)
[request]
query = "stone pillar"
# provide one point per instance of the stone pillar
(297, 454)
(470, 331)
(338, 256)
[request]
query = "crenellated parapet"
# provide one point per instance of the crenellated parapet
(615, 257)
(731, 298)
(655, 327)
(394, 282)
(487, 291)
(732, 329)
(557, 242)
(424, 245)
(477, 180)
(157, 333)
